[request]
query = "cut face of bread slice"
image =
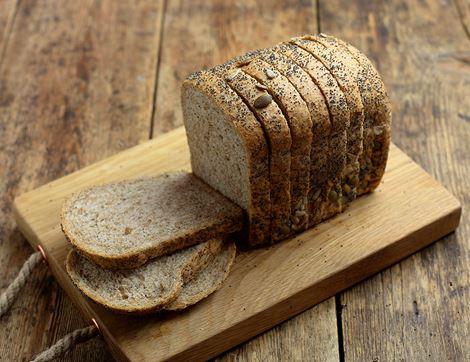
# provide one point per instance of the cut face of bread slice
(207, 280)
(145, 289)
(228, 149)
(278, 135)
(377, 118)
(121, 225)
(345, 71)
(339, 117)
(296, 113)
(318, 184)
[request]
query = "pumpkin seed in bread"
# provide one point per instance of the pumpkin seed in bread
(123, 224)
(297, 115)
(228, 149)
(345, 71)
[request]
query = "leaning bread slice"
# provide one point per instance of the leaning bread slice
(228, 149)
(206, 281)
(377, 118)
(142, 290)
(318, 184)
(121, 225)
(278, 136)
(345, 70)
(339, 117)
(296, 113)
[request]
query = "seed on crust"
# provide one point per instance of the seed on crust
(263, 100)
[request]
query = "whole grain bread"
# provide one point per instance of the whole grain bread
(146, 289)
(228, 149)
(345, 71)
(339, 119)
(207, 280)
(377, 118)
(121, 225)
(279, 139)
(297, 114)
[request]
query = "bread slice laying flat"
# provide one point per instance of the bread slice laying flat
(122, 225)
(146, 289)
(207, 281)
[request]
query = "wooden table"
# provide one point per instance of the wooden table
(82, 80)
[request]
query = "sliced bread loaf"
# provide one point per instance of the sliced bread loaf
(345, 71)
(377, 118)
(278, 135)
(296, 113)
(228, 149)
(207, 280)
(121, 225)
(145, 289)
(339, 117)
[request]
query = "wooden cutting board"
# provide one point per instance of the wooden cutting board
(408, 211)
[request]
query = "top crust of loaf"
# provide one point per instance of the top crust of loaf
(121, 225)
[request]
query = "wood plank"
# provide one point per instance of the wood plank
(419, 308)
(200, 34)
(288, 277)
(76, 85)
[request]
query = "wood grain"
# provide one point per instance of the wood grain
(417, 310)
(76, 85)
(288, 277)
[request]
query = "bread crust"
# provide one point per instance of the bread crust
(277, 133)
(339, 120)
(298, 117)
(321, 128)
(377, 118)
(345, 70)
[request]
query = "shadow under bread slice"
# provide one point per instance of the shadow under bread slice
(377, 118)
(339, 118)
(123, 224)
(318, 201)
(298, 118)
(145, 289)
(278, 135)
(345, 70)
(228, 149)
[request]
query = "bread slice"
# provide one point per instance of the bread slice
(345, 71)
(228, 149)
(206, 281)
(145, 289)
(339, 117)
(278, 135)
(296, 113)
(121, 225)
(318, 201)
(377, 118)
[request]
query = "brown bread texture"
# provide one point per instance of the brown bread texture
(122, 225)
(279, 139)
(319, 151)
(228, 149)
(148, 288)
(377, 118)
(345, 70)
(297, 114)
(339, 120)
